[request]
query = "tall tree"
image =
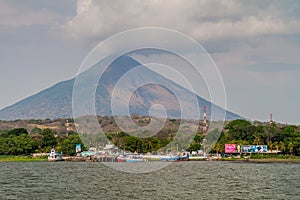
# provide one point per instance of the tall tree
(48, 140)
(281, 146)
(69, 144)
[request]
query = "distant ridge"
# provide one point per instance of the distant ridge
(56, 101)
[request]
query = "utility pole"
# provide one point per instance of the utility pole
(204, 121)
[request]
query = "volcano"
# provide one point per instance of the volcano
(56, 101)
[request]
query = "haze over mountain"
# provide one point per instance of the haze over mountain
(56, 101)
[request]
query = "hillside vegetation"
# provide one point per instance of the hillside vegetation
(24, 137)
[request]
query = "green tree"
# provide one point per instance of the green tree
(48, 140)
(24, 144)
(276, 146)
(133, 144)
(290, 147)
(240, 129)
(69, 144)
(287, 132)
(219, 148)
(36, 130)
(17, 132)
(270, 146)
(257, 139)
(195, 146)
(17, 145)
(149, 146)
(271, 131)
(5, 146)
(281, 146)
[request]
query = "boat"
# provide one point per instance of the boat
(88, 153)
(54, 156)
(130, 158)
(134, 158)
(121, 158)
(168, 158)
(183, 156)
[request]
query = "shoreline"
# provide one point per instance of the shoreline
(257, 160)
(288, 160)
(295, 160)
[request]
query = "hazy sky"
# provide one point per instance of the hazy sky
(255, 44)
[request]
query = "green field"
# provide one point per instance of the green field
(21, 159)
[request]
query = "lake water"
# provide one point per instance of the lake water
(184, 180)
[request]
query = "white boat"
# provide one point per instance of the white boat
(130, 158)
(53, 156)
(134, 158)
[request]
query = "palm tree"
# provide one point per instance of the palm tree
(257, 139)
(282, 146)
(291, 147)
(276, 146)
(149, 144)
(270, 145)
(218, 147)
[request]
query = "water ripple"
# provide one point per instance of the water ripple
(185, 180)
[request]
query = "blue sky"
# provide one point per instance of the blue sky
(255, 44)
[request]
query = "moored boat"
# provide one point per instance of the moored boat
(134, 158)
(54, 156)
(121, 158)
(183, 156)
(130, 158)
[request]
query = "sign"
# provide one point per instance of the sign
(254, 148)
(230, 148)
(78, 148)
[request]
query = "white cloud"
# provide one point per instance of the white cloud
(246, 27)
(15, 15)
(83, 6)
(203, 20)
(259, 51)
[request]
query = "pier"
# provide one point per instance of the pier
(90, 159)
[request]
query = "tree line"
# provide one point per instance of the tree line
(20, 142)
(283, 138)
